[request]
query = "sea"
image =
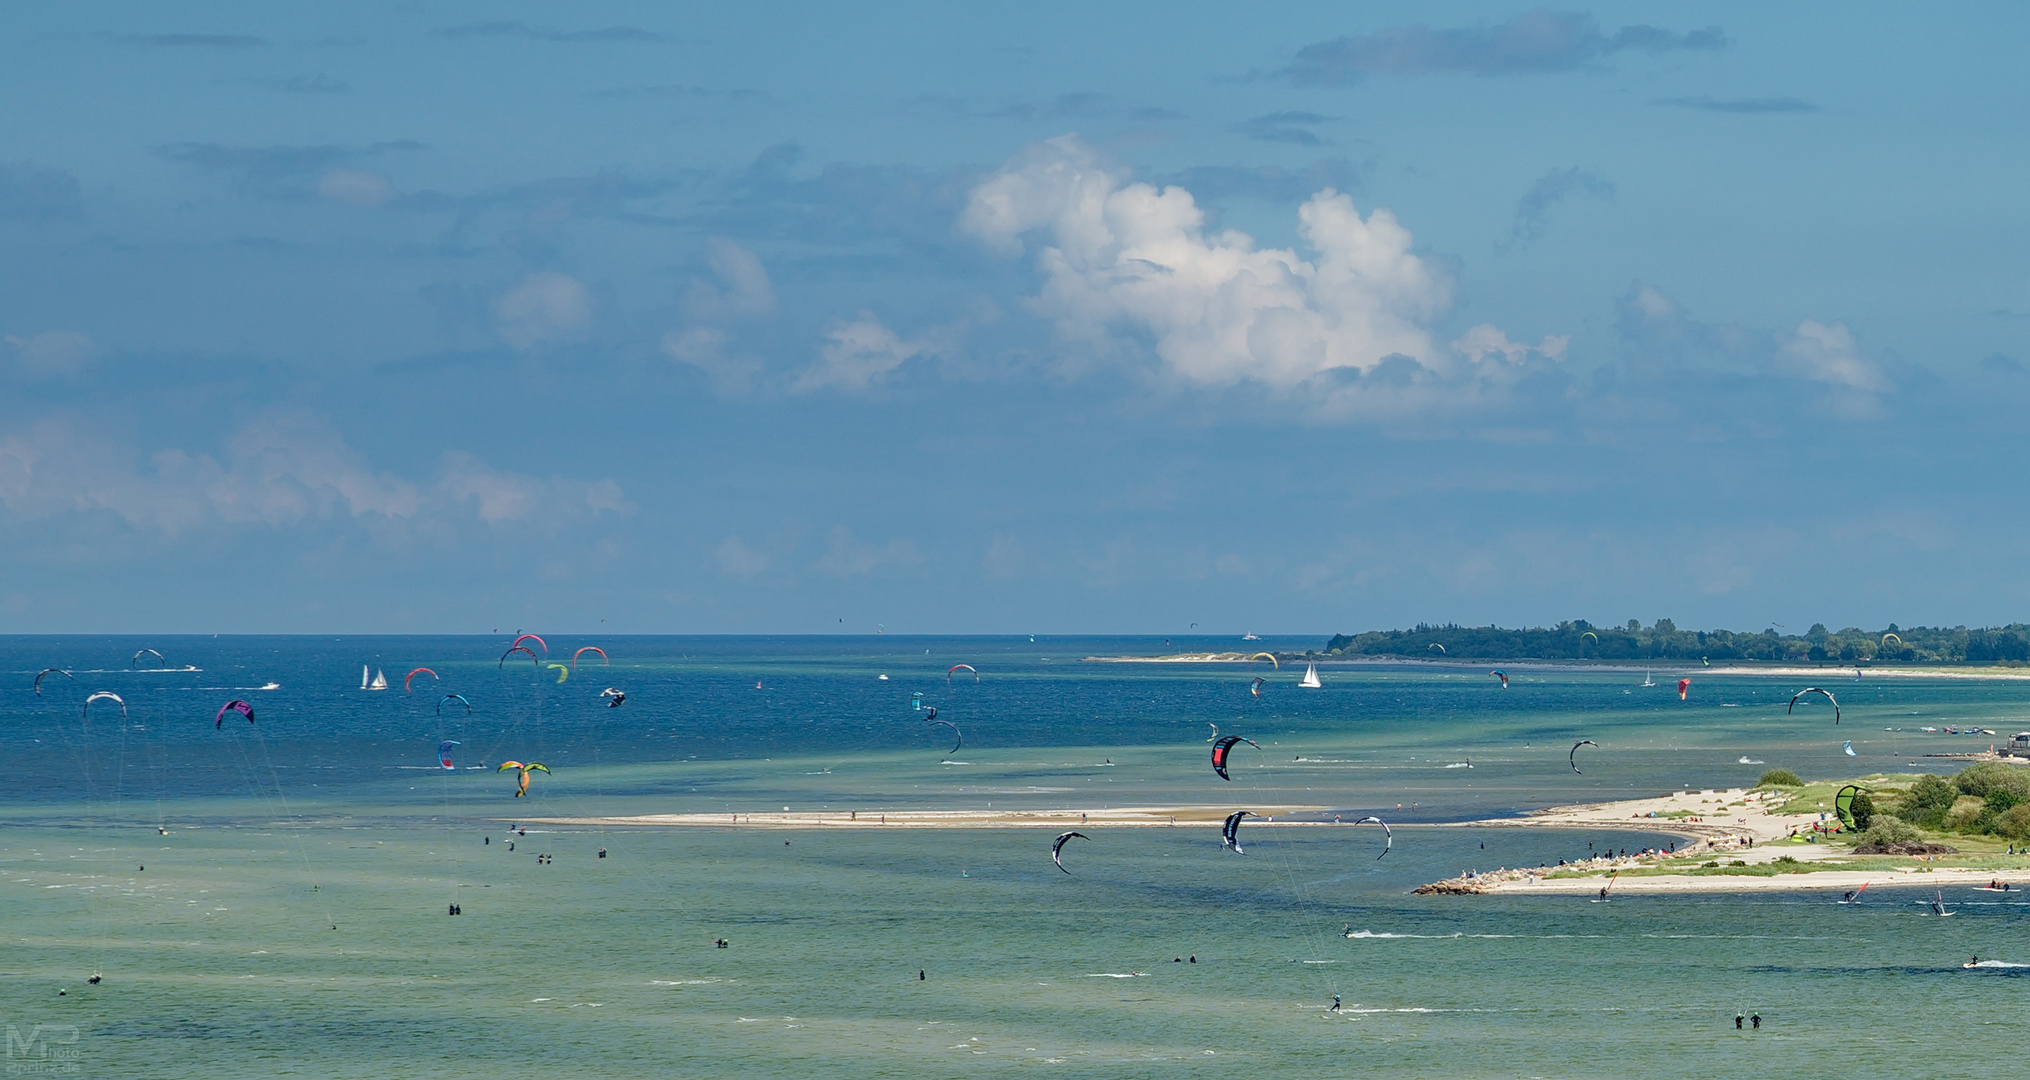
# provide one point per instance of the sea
(273, 898)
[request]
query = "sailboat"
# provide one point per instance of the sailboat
(380, 682)
(1646, 680)
(1251, 636)
(1311, 677)
(362, 676)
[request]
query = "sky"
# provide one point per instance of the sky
(1044, 318)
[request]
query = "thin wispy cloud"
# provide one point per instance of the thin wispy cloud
(191, 41)
(517, 29)
(1536, 42)
(1739, 105)
(1533, 211)
(311, 84)
(663, 90)
(1269, 183)
(1284, 127)
(31, 192)
(277, 172)
(1073, 106)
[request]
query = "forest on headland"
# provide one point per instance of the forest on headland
(1663, 641)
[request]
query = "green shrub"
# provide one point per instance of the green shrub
(1714, 865)
(1862, 809)
(2015, 823)
(1965, 815)
(1928, 801)
(1785, 860)
(1780, 778)
(1988, 777)
(1889, 829)
(1738, 862)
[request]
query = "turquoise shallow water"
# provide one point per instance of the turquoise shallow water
(220, 959)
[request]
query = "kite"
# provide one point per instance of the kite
(1814, 690)
(956, 668)
(1388, 834)
(1057, 847)
(1224, 747)
(419, 671)
(955, 734)
(618, 696)
(103, 695)
(1229, 833)
(523, 789)
(459, 698)
(444, 752)
(235, 705)
(51, 671)
(1573, 757)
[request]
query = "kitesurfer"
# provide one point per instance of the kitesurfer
(1335, 1004)
(1755, 1020)
(1738, 1018)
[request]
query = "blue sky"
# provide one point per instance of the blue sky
(1058, 318)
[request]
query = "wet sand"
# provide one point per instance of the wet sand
(1145, 816)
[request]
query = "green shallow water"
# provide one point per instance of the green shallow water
(221, 961)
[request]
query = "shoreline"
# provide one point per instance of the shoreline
(1131, 816)
(1737, 824)
(1677, 669)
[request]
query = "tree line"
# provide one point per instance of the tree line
(1663, 641)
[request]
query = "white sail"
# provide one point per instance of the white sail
(362, 676)
(1311, 677)
(1646, 680)
(380, 682)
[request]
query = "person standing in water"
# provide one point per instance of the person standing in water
(1738, 1019)
(1755, 1021)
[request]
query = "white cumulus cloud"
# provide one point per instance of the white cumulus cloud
(543, 309)
(1830, 355)
(743, 289)
(1219, 309)
(855, 355)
